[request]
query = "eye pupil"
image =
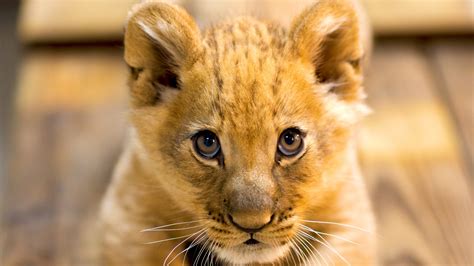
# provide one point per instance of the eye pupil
(289, 139)
(206, 144)
(209, 141)
(290, 143)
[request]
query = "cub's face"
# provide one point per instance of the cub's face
(247, 127)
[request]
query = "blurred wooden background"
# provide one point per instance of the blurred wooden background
(80, 20)
(69, 119)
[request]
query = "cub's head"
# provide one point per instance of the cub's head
(246, 124)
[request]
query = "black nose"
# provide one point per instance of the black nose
(248, 230)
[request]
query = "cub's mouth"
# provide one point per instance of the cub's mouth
(251, 251)
(240, 240)
(251, 242)
(236, 246)
(247, 252)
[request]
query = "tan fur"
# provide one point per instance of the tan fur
(247, 81)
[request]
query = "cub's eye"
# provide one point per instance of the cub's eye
(290, 142)
(206, 144)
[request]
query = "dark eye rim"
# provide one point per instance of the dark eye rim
(211, 156)
(281, 150)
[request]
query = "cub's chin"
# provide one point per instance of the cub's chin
(253, 253)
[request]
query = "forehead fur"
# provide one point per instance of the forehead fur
(251, 77)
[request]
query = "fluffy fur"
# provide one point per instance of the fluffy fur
(247, 81)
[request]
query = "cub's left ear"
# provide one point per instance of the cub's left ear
(329, 35)
(161, 41)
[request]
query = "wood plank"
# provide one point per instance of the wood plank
(411, 158)
(66, 137)
(415, 17)
(455, 63)
(73, 20)
(9, 54)
(103, 20)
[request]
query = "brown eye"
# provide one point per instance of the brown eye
(207, 144)
(290, 142)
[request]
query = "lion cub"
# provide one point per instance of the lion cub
(241, 149)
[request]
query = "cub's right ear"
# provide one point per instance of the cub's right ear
(160, 41)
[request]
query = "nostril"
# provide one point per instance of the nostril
(248, 229)
(272, 218)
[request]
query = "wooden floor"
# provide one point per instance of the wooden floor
(416, 150)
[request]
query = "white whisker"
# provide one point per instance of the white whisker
(300, 253)
(171, 229)
(206, 254)
(311, 255)
(302, 248)
(339, 224)
(171, 252)
(313, 248)
(295, 252)
(291, 252)
(193, 243)
(209, 256)
(329, 246)
(170, 225)
(203, 247)
(328, 234)
(169, 239)
(198, 240)
(298, 241)
(325, 241)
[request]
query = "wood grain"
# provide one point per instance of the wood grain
(103, 20)
(407, 17)
(411, 157)
(455, 61)
(72, 20)
(68, 129)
